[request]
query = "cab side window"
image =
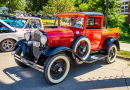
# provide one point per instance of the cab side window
(90, 21)
(93, 23)
(33, 24)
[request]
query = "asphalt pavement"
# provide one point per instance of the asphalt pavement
(95, 76)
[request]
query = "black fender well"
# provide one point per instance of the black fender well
(57, 49)
(108, 42)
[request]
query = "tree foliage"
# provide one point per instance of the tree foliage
(17, 4)
(115, 19)
(37, 4)
(58, 6)
(3, 2)
(14, 4)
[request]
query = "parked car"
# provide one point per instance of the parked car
(7, 17)
(76, 36)
(10, 34)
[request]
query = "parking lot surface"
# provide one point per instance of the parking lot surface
(95, 76)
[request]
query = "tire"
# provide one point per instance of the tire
(111, 54)
(85, 45)
(53, 66)
(18, 52)
(7, 45)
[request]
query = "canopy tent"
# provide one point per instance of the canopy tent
(3, 8)
(16, 11)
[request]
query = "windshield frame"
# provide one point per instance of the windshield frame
(58, 17)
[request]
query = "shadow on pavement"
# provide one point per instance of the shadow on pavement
(30, 79)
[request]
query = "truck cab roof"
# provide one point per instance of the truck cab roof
(79, 14)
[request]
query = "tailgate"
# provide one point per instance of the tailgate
(110, 31)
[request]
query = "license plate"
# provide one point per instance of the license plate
(36, 44)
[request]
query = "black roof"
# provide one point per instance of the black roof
(92, 13)
(6, 15)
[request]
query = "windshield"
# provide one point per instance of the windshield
(18, 23)
(71, 21)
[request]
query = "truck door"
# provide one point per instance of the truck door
(94, 31)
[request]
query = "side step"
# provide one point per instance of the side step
(93, 58)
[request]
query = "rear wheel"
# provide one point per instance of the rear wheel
(7, 45)
(56, 68)
(111, 54)
(19, 52)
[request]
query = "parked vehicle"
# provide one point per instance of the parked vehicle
(76, 36)
(10, 34)
(7, 17)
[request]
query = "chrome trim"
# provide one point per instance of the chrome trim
(29, 63)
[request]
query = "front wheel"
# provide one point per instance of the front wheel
(56, 68)
(111, 54)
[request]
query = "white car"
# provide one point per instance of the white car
(10, 34)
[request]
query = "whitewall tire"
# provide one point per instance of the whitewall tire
(56, 68)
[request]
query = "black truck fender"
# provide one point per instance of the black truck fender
(24, 43)
(108, 42)
(58, 49)
(20, 42)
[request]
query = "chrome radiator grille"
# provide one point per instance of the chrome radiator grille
(36, 38)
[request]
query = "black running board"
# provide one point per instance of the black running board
(93, 58)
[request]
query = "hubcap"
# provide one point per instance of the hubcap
(58, 69)
(7, 45)
(82, 49)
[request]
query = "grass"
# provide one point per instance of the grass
(49, 22)
(124, 53)
(125, 41)
(128, 64)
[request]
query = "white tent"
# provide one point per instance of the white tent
(3, 8)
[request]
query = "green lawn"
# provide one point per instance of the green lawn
(124, 53)
(48, 22)
(125, 41)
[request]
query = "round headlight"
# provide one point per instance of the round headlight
(27, 36)
(43, 40)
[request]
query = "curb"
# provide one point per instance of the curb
(121, 57)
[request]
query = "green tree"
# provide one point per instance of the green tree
(29, 5)
(17, 4)
(37, 4)
(115, 19)
(59, 6)
(3, 3)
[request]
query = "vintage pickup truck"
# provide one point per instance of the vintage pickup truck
(79, 37)
(11, 33)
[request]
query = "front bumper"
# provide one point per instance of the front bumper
(29, 63)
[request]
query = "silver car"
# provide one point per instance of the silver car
(10, 34)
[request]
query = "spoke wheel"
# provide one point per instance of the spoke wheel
(7, 45)
(111, 54)
(82, 47)
(56, 68)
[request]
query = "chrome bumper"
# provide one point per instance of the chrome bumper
(29, 63)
